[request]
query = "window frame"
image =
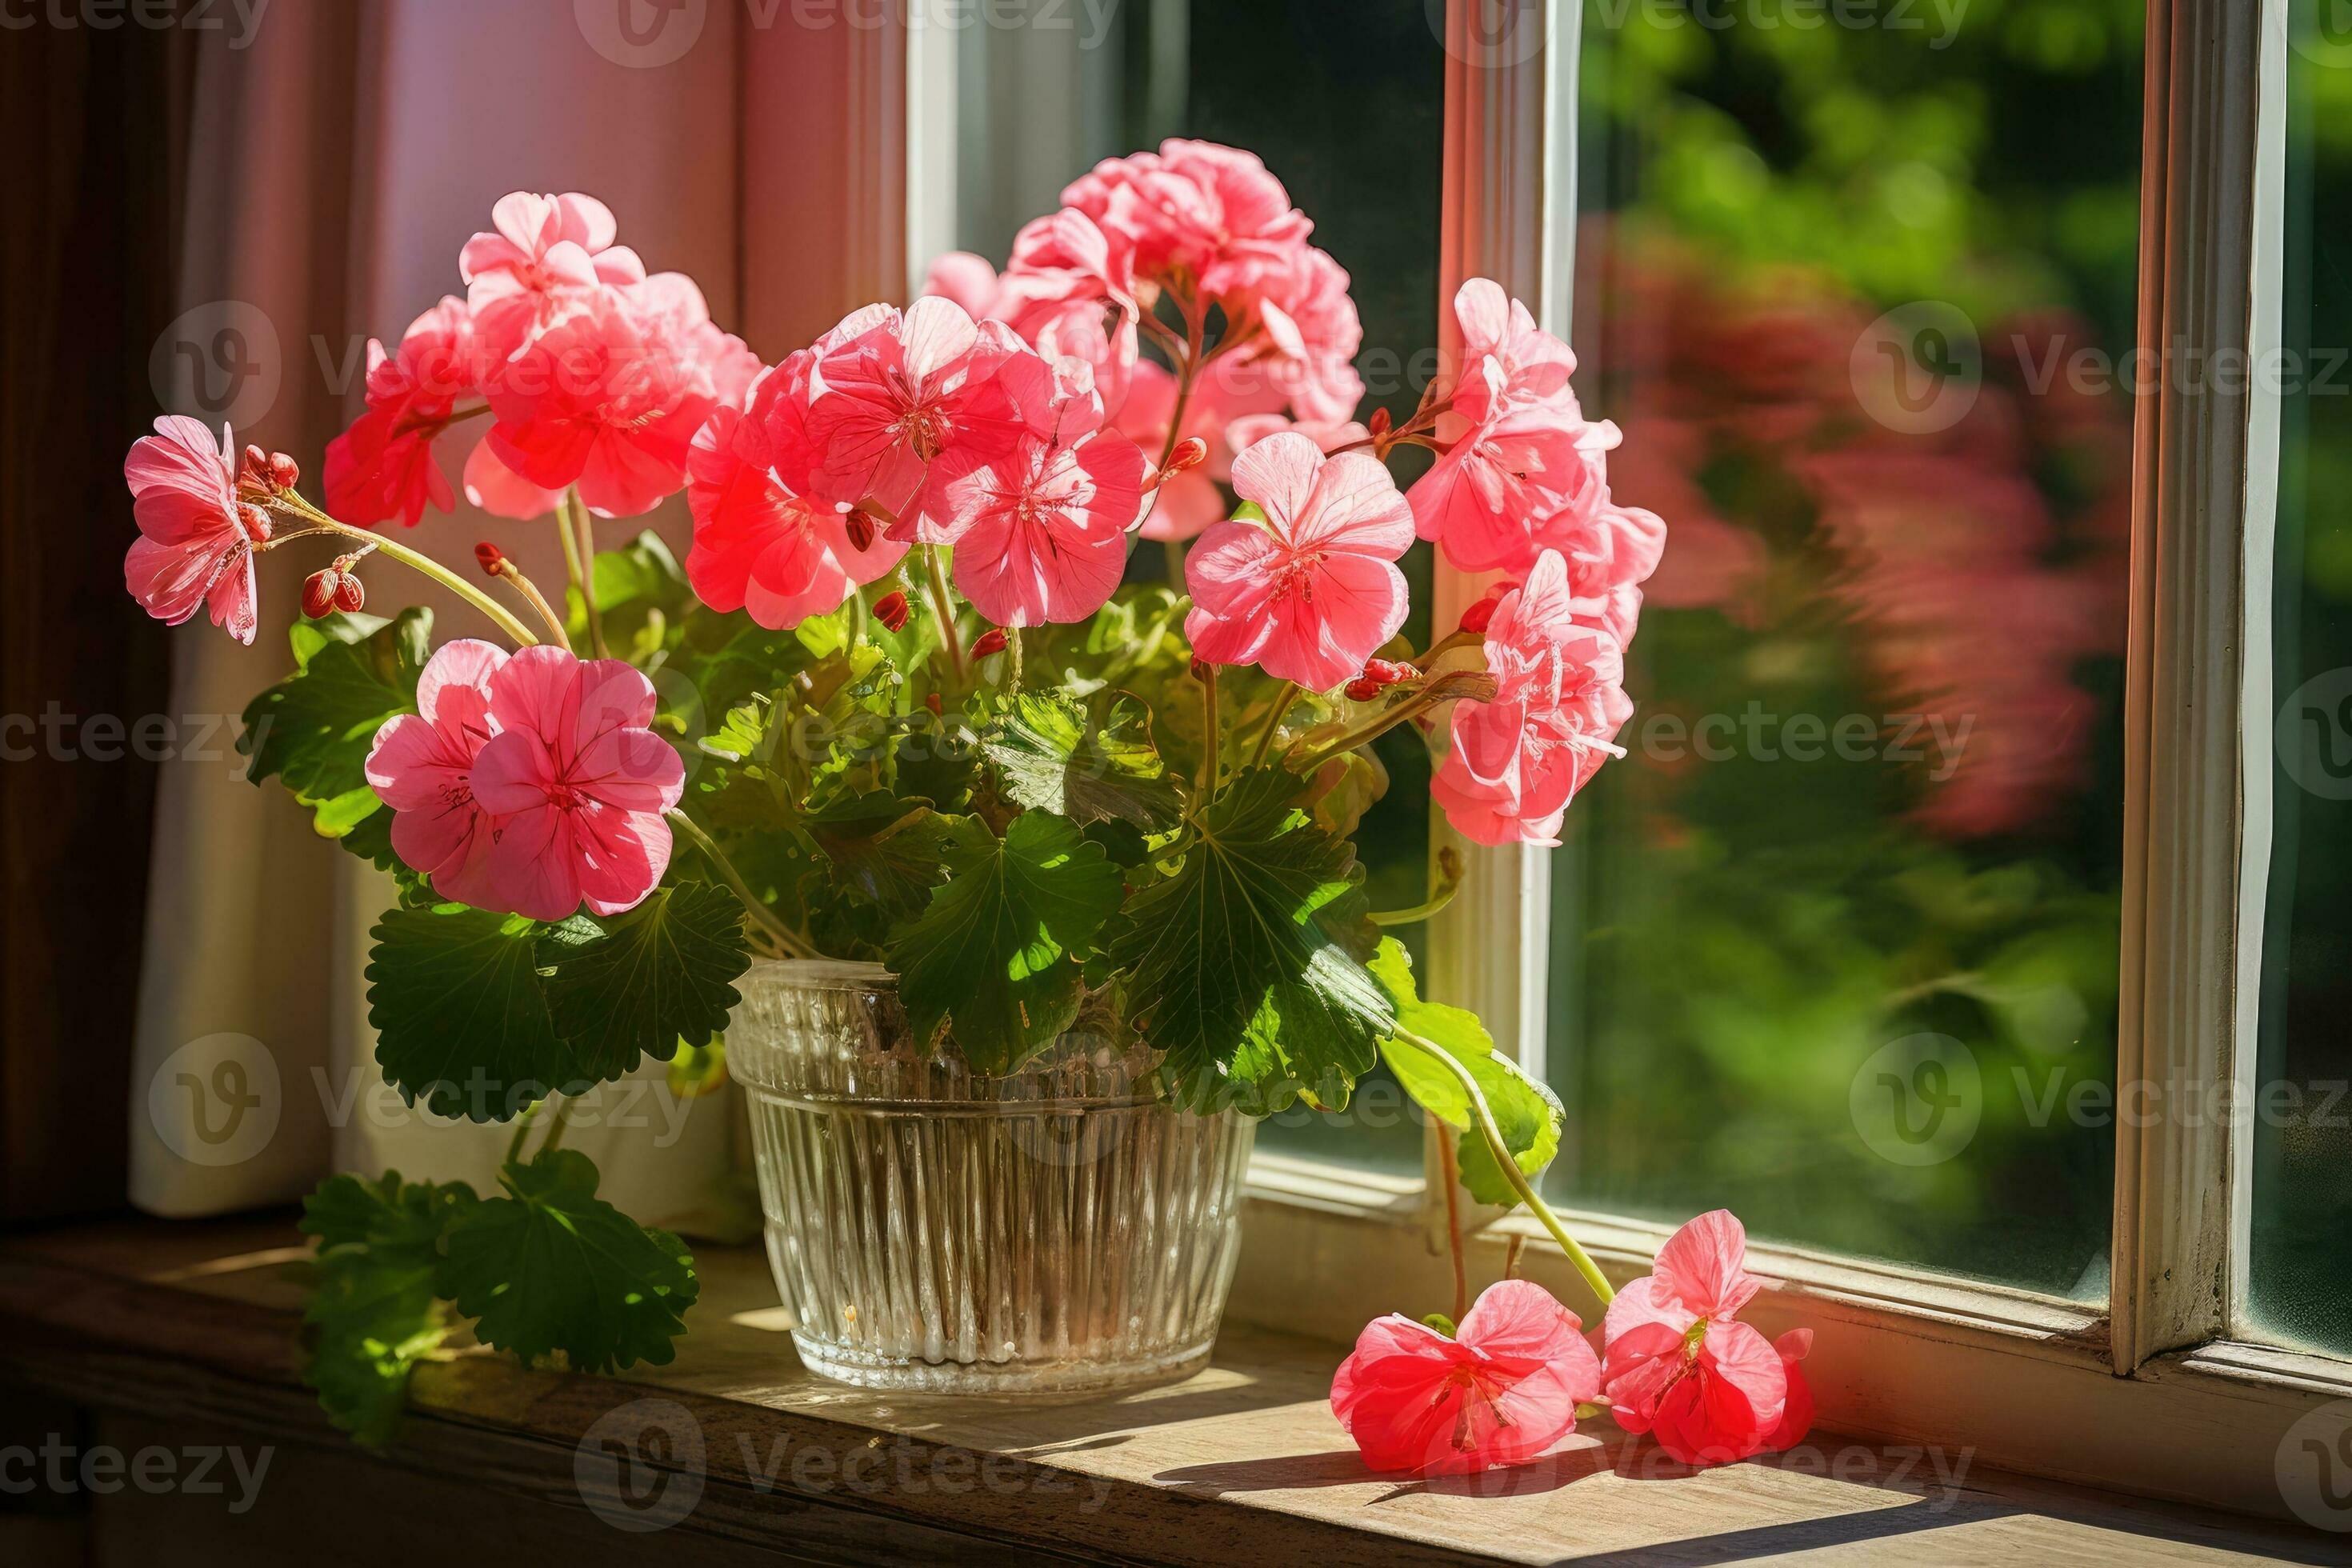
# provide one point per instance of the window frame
(2149, 1394)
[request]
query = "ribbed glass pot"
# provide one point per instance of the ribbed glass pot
(930, 1228)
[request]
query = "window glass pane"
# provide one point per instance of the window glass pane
(1836, 944)
(2300, 1274)
(1350, 119)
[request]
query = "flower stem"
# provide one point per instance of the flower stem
(1273, 722)
(1484, 1120)
(554, 1139)
(584, 569)
(503, 618)
(1453, 1175)
(943, 608)
(793, 944)
(1211, 741)
(536, 601)
(1187, 372)
(522, 1127)
(1372, 729)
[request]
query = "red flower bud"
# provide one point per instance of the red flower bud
(931, 701)
(348, 595)
(1388, 672)
(253, 520)
(255, 469)
(1190, 453)
(1363, 688)
(991, 641)
(1476, 618)
(890, 609)
(490, 558)
(859, 524)
(318, 592)
(1379, 423)
(285, 473)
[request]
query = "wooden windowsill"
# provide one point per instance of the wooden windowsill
(196, 1322)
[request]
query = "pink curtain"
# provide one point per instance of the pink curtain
(340, 158)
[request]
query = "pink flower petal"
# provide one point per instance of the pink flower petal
(1703, 1265)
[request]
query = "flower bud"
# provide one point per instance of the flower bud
(348, 595)
(318, 592)
(1379, 423)
(890, 609)
(991, 641)
(1388, 672)
(859, 524)
(255, 469)
(490, 558)
(1478, 617)
(1190, 453)
(285, 473)
(253, 520)
(931, 701)
(1363, 688)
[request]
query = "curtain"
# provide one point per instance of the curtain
(338, 160)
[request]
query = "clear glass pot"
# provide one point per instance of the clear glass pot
(1056, 1227)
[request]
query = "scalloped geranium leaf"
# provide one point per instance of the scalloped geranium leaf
(314, 729)
(1053, 753)
(997, 950)
(885, 849)
(553, 1267)
(461, 1018)
(637, 984)
(375, 1308)
(1527, 1113)
(1242, 966)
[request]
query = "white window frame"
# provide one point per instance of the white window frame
(2150, 1393)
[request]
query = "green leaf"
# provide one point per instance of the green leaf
(1052, 754)
(637, 984)
(888, 850)
(314, 729)
(460, 1018)
(374, 1310)
(1526, 1111)
(551, 1267)
(996, 950)
(1242, 965)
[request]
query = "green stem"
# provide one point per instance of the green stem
(943, 609)
(584, 572)
(522, 1126)
(1012, 655)
(794, 944)
(555, 1129)
(1273, 722)
(500, 616)
(1496, 1146)
(1372, 729)
(1211, 741)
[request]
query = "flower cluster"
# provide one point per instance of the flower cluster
(594, 374)
(530, 784)
(1504, 1386)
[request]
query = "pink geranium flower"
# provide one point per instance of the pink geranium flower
(383, 466)
(1313, 333)
(908, 387)
(1678, 1363)
(577, 784)
(610, 398)
(1070, 291)
(195, 548)
(1516, 762)
(1535, 365)
(422, 765)
(1313, 591)
(548, 254)
(1040, 529)
(1502, 1391)
(759, 544)
(1212, 212)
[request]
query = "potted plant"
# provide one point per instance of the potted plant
(1013, 890)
